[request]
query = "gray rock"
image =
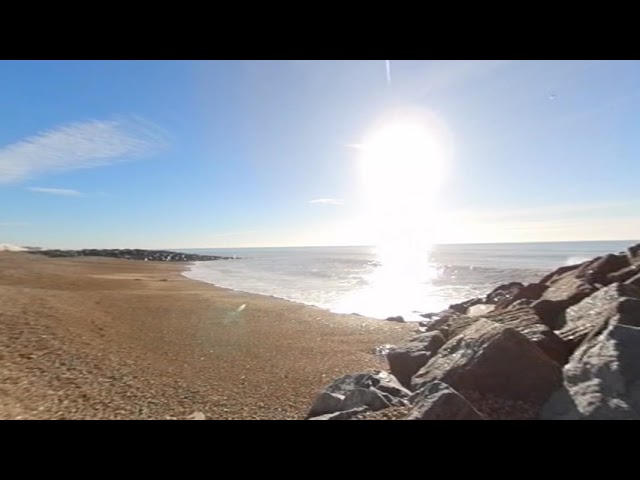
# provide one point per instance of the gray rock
(438, 401)
(526, 321)
(399, 319)
(602, 379)
(348, 415)
(489, 358)
(406, 360)
(561, 294)
(602, 306)
(374, 390)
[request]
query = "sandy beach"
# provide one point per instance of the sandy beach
(97, 338)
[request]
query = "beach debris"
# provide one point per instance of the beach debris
(241, 307)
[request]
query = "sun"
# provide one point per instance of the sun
(403, 165)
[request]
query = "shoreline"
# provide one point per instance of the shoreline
(111, 338)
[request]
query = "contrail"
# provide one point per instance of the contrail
(388, 65)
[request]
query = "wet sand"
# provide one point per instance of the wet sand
(97, 338)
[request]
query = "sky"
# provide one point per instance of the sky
(190, 154)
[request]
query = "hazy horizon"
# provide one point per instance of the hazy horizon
(258, 154)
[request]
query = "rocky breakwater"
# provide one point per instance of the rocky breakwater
(565, 348)
(132, 254)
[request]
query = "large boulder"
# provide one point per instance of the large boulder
(405, 360)
(526, 321)
(489, 358)
(561, 294)
(374, 390)
(602, 306)
(438, 401)
(602, 379)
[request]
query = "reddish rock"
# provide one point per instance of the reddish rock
(635, 281)
(633, 253)
(597, 270)
(624, 274)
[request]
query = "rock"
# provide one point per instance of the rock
(373, 390)
(602, 379)
(526, 321)
(523, 302)
(596, 271)
(635, 281)
(406, 360)
(489, 358)
(398, 319)
(559, 273)
(560, 295)
(525, 295)
(347, 415)
(624, 274)
(438, 401)
(464, 306)
(503, 293)
(602, 306)
(633, 253)
(436, 321)
(482, 309)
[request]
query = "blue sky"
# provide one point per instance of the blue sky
(174, 154)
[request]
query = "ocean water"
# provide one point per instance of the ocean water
(378, 284)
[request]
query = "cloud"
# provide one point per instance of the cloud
(80, 145)
(65, 192)
(327, 201)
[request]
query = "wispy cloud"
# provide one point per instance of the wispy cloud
(80, 145)
(328, 201)
(65, 192)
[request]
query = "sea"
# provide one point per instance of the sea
(367, 281)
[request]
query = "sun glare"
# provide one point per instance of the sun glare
(403, 164)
